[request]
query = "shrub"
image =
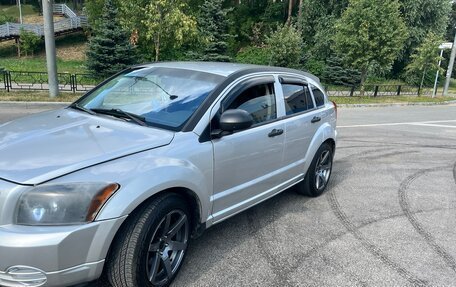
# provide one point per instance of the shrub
(29, 42)
(285, 46)
(253, 55)
(6, 18)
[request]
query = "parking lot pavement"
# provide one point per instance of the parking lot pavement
(388, 217)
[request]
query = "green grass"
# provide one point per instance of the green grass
(389, 100)
(38, 64)
(37, 96)
(13, 10)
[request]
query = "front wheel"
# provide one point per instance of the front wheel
(151, 246)
(318, 174)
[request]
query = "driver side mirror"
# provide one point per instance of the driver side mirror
(233, 120)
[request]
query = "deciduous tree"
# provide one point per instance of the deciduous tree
(285, 46)
(370, 32)
(425, 59)
(422, 17)
(167, 24)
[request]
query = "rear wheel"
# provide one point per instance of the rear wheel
(151, 246)
(318, 174)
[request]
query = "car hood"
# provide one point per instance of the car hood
(44, 146)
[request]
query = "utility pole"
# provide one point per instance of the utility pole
(49, 41)
(20, 11)
(450, 68)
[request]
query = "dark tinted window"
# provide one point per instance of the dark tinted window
(259, 101)
(319, 96)
(297, 98)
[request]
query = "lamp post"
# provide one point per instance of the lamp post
(443, 46)
(49, 41)
(20, 11)
(450, 68)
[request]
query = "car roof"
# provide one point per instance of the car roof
(226, 69)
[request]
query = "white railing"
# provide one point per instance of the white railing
(63, 9)
(72, 22)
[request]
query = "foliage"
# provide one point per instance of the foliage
(6, 18)
(317, 25)
(214, 23)
(285, 46)
(370, 32)
(94, 10)
(315, 66)
(246, 16)
(29, 42)
(109, 49)
(167, 25)
(451, 28)
(422, 17)
(336, 73)
(424, 60)
(253, 55)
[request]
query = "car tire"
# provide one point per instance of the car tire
(151, 245)
(319, 172)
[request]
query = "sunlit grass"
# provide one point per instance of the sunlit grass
(37, 96)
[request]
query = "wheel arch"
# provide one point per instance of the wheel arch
(325, 134)
(191, 199)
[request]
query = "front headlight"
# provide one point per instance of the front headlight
(63, 204)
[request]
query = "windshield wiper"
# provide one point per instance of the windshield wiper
(81, 108)
(140, 120)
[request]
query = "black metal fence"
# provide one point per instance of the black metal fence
(377, 91)
(22, 80)
(33, 81)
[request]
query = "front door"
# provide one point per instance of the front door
(248, 163)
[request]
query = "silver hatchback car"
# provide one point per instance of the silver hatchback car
(112, 187)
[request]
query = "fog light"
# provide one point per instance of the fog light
(17, 276)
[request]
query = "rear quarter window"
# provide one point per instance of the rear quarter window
(318, 95)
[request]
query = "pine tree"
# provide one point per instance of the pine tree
(336, 73)
(109, 49)
(214, 26)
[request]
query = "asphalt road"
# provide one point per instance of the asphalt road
(388, 217)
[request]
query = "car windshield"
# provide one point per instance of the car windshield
(163, 97)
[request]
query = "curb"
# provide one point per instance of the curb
(395, 104)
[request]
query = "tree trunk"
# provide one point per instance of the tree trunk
(18, 46)
(157, 47)
(422, 82)
(363, 81)
(300, 9)
(290, 11)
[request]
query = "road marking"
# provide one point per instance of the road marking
(398, 124)
(432, 125)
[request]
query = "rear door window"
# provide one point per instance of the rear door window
(297, 98)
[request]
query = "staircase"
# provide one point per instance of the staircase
(71, 24)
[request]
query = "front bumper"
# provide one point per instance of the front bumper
(64, 255)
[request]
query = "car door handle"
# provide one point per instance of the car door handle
(315, 120)
(275, 132)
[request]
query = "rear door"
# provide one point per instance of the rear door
(248, 163)
(302, 120)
